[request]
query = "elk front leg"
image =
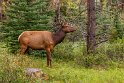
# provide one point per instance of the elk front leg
(49, 58)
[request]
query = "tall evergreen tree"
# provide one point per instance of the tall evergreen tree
(25, 15)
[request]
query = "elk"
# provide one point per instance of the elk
(43, 40)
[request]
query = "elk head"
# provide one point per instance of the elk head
(67, 28)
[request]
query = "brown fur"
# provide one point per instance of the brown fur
(43, 40)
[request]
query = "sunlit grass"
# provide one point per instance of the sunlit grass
(61, 71)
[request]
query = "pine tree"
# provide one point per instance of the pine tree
(25, 15)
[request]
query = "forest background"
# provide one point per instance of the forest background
(71, 61)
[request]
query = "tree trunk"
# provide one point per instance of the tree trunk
(0, 9)
(57, 15)
(91, 26)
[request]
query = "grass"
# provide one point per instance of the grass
(12, 67)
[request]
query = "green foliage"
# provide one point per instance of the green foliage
(107, 54)
(64, 53)
(93, 60)
(25, 15)
(10, 72)
(117, 19)
(12, 69)
(110, 16)
(118, 26)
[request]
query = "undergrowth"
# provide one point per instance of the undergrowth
(70, 62)
(107, 54)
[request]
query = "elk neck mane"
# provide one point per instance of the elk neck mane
(59, 36)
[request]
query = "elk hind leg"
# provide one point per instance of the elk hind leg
(23, 49)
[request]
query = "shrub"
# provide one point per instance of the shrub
(10, 72)
(64, 51)
(92, 60)
(13, 69)
(107, 54)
